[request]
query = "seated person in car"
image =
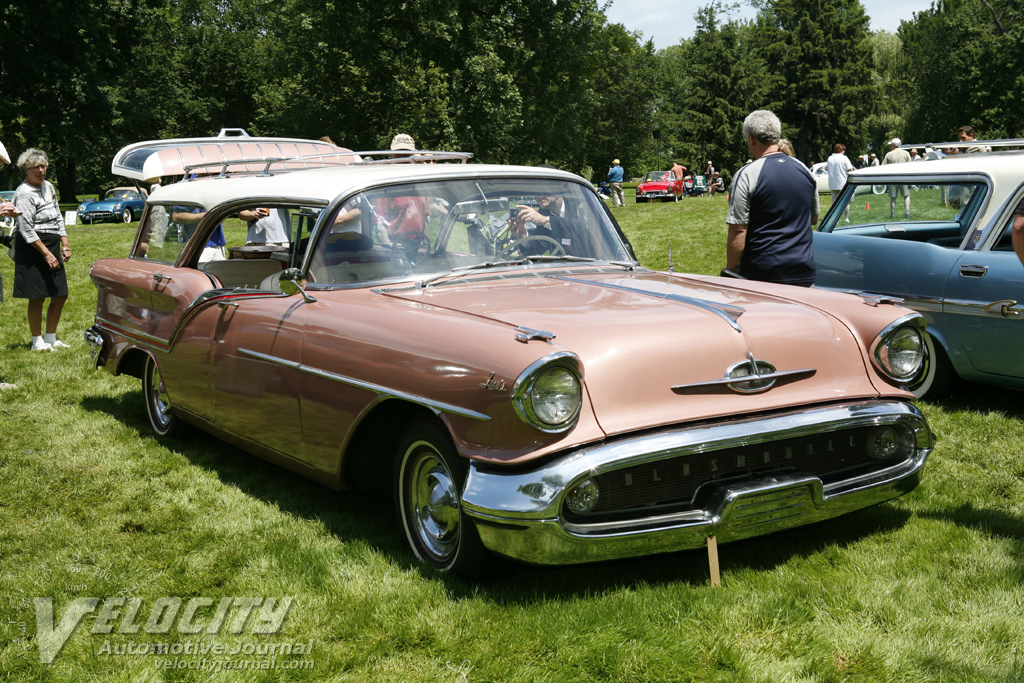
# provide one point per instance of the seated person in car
(546, 220)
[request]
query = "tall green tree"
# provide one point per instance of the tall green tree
(965, 59)
(58, 76)
(710, 83)
(823, 52)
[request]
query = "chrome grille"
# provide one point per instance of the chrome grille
(673, 483)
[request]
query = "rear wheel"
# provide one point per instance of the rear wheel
(158, 405)
(939, 379)
(429, 476)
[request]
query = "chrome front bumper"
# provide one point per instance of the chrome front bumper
(520, 515)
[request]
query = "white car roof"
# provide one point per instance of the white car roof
(324, 184)
(994, 165)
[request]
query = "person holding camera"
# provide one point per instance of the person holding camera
(546, 222)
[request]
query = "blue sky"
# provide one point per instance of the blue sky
(668, 21)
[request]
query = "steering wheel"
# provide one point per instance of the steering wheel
(412, 245)
(514, 244)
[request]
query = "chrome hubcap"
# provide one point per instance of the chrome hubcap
(158, 396)
(434, 506)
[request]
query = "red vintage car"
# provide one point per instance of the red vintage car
(479, 344)
(660, 186)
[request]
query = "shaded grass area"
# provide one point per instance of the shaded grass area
(926, 588)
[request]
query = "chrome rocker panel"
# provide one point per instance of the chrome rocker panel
(519, 515)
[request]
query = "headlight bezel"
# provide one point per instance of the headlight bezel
(522, 391)
(880, 347)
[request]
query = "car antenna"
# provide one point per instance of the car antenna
(671, 268)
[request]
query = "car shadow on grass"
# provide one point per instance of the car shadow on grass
(690, 567)
(351, 516)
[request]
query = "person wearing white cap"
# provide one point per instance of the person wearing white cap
(898, 156)
(615, 181)
(403, 142)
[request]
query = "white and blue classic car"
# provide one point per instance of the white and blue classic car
(119, 205)
(948, 256)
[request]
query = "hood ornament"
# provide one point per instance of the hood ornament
(750, 376)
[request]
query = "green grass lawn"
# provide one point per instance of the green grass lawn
(925, 588)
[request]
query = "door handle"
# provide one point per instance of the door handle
(231, 304)
(162, 278)
(973, 271)
(1004, 308)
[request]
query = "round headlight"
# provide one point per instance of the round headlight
(549, 394)
(117, 207)
(582, 498)
(901, 354)
(555, 396)
(81, 208)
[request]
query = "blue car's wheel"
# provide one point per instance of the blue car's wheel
(127, 216)
(939, 378)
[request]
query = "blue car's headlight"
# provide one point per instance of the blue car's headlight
(117, 207)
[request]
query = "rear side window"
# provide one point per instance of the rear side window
(160, 237)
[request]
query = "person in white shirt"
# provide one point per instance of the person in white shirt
(839, 167)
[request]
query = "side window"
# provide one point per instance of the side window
(160, 238)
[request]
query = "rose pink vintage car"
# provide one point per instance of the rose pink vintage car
(479, 343)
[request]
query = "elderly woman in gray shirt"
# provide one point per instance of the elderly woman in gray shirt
(40, 251)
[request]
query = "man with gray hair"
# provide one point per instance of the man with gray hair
(773, 204)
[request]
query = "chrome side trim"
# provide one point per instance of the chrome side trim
(918, 302)
(380, 390)
(141, 337)
(729, 314)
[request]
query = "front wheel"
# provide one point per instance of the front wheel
(127, 215)
(429, 476)
(878, 189)
(939, 378)
(158, 405)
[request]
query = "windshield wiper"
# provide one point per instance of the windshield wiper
(518, 262)
(464, 269)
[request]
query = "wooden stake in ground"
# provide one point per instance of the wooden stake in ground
(716, 577)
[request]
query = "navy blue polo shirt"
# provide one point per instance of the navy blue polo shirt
(775, 197)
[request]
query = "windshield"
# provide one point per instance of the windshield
(940, 213)
(122, 194)
(659, 176)
(426, 230)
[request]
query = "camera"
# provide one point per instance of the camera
(513, 213)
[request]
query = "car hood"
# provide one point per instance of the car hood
(654, 184)
(652, 345)
(102, 204)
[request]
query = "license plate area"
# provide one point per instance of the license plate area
(765, 506)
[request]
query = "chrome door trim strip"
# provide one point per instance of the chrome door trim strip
(138, 336)
(378, 389)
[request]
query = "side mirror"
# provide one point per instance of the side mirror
(291, 284)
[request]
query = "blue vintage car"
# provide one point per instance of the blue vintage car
(949, 256)
(122, 204)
